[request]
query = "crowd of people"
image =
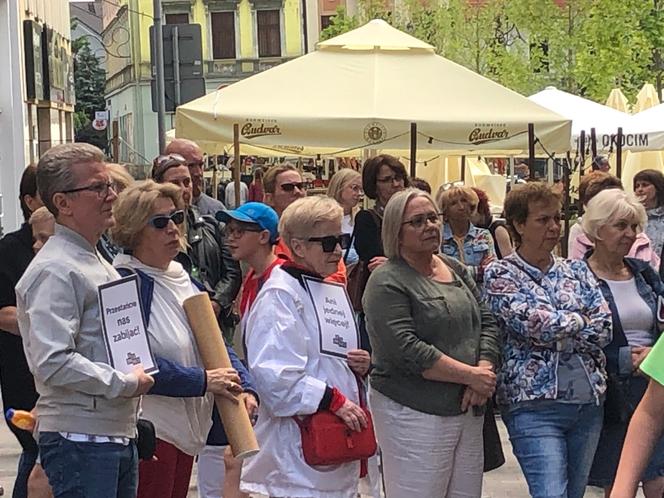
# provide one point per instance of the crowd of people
(409, 324)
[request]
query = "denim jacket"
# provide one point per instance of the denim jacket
(543, 315)
(649, 287)
(477, 245)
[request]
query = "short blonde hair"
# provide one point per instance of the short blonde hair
(133, 209)
(446, 197)
(610, 205)
(41, 215)
(393, 219)
(120, 176)
(340, 180)
(300, 218)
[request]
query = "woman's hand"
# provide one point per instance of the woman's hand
(359, 361)
(224, 382)
(639, 354)
(352, 415)
(251, 404)
(482, 380)
(375, 262)
(472, 398)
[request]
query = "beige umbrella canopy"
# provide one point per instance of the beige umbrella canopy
(618, 101)
(362, 90)
(646, 99)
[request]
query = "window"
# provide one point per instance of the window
(269, 33)
(325, 21)
(223, 35)
(177, 18)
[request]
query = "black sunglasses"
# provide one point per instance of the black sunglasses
(101, 189)
(161, 220)
(289, 187)
(329, 242)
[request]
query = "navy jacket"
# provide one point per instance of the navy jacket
(178, 381)
(649, 287)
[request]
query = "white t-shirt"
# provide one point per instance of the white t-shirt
(230, 194)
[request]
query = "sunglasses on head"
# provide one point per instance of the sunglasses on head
(329, 242)
(289, 187)
(160, 221)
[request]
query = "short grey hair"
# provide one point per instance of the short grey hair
(54, 170)
(610, 205)
(300, 218)
(393, 219)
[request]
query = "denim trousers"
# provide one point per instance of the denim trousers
(86, 470)
(555, 444)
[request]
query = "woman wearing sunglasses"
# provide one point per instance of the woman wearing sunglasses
(149, 218)
(293, 377)
(435, 347)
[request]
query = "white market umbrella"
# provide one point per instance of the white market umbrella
(586, 115)
(362, 90)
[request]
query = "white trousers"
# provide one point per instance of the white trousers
(428, 456)
(211, 472)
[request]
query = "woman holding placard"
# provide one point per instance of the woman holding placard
(435, 351)
(148, 217)
(297, 335)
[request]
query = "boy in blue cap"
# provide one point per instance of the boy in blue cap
(251, 232)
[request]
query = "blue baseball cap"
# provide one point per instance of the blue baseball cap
(257, 213)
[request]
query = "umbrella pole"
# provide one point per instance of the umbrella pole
(463, 169)
(236, 164)
(582, 152)
(413, 150)
(619, 150)
(531, 151)
(566, 203)
(593, 143)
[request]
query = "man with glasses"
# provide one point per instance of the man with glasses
(283, 185)
(87, 409)
(195, 161)
(207, 258)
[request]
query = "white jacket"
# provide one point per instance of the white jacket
(290, 373)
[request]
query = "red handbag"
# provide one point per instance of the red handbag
(326, 440)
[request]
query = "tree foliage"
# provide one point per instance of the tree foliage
(586, 47)
(89, 81)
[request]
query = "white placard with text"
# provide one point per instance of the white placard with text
(336, 320)
(123, 324)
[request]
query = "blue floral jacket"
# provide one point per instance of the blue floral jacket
(543, 315)
(477, 245)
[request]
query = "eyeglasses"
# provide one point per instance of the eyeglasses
(238, 231)
(102, 189)
(329, 242)
(289, 187)
(160, 221)
(391, 179)
(420, 220)
(447, 186)
(356, 188)
(169, 160)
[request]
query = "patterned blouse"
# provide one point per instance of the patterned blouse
(548, 318)
(655, 229)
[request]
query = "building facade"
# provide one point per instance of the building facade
(36, 91)
(239, 38)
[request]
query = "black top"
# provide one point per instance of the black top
(492, 229)
(368, 242)
(16, 382)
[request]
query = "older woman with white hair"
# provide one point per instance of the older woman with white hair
(612, 221)
(435, 350)
(148, 218)
(294, 374)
